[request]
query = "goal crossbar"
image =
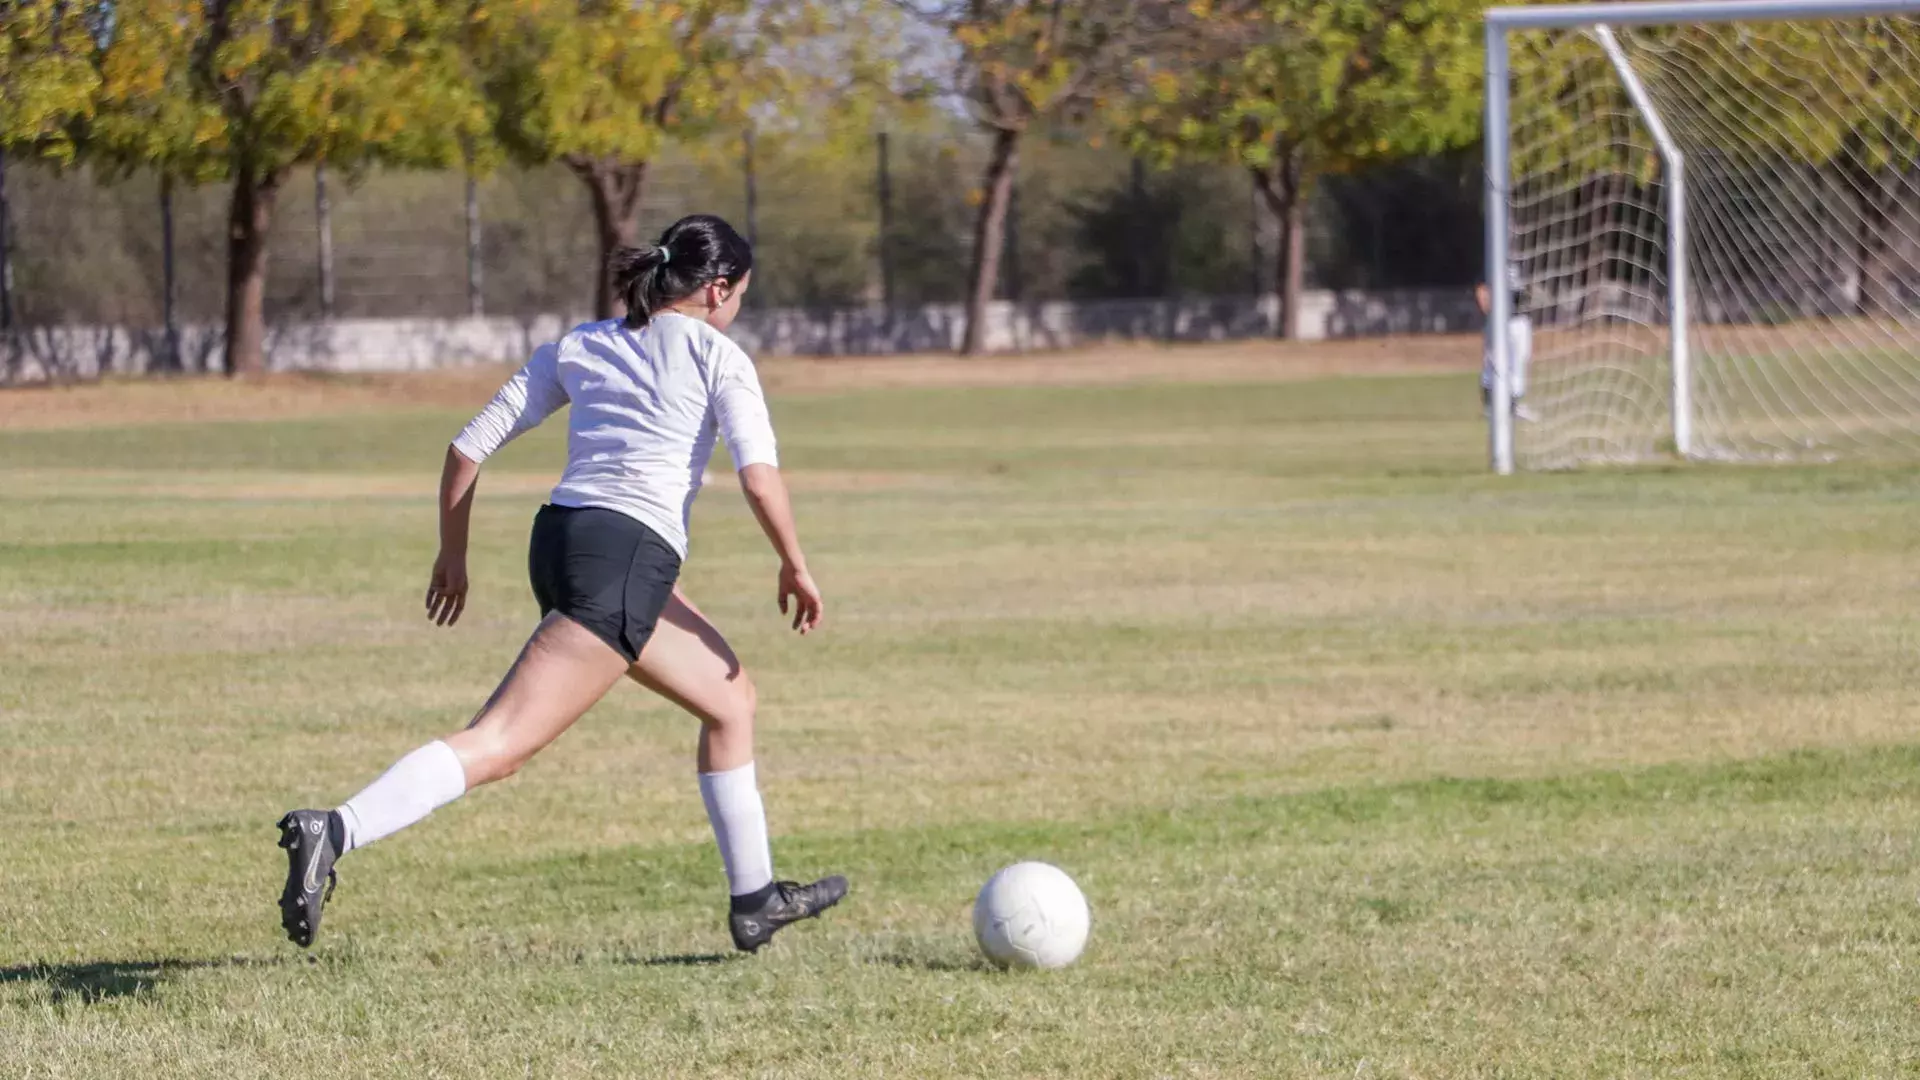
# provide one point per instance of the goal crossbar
(1658, 12)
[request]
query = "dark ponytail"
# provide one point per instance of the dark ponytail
(693, 253)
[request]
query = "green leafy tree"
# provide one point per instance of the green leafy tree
(1026, 65)
(243, 91)
(1296, 89)
(603, 87)
(47, 75)
(47, 85)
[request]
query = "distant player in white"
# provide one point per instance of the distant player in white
(1519, 344)
(650, 393)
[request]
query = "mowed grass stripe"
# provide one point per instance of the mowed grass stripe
(1622, 922)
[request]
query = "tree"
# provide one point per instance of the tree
(604, 87)
(826, 88)
(47, 75)
(245, 90)
(47, 83)
(1295, 89)
(601, 87)
(1026, 64)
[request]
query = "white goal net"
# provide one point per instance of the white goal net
(1712, 232)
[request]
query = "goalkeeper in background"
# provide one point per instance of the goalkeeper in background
(1519, 344)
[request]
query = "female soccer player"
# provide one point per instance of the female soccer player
(649, 393)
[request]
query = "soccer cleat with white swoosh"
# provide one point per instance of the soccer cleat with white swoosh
(786, 902)
(313, 839)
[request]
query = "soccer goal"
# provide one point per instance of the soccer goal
(1703, 231)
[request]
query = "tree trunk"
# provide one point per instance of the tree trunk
(989, 237)
(323, 235)
(883, 189)
(1293, 265)
(169, 284)
(1879, 198)
(1140, 214)
(615, 188)
(1283, 185)
(249, 217)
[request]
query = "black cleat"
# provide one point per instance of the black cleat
(313, 839)
(786, 902)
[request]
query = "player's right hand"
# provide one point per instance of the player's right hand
(447, 588)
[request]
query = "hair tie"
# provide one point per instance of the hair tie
(666, 255)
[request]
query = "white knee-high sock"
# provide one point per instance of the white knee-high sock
(740, 825)
(416, 785)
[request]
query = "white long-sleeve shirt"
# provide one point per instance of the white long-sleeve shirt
(647, 405)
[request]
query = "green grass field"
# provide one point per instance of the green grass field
(1369, 763)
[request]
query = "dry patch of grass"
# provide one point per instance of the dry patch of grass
(286, 396)
(322, 486)
(1233, 362)
(212, 399)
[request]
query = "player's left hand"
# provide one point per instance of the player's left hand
(808, 609)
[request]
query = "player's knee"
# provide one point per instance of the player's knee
(492, 754)
(737, 711)
(508, 762)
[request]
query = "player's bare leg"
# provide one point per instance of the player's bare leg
(563, 670)
(560, 673)
(688, 662)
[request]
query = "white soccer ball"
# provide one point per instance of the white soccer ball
(1031, 915)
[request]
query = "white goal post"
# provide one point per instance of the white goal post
(1703, 231)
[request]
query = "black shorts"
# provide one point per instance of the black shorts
(603, 570)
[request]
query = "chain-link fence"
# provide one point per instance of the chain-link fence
(887, 223)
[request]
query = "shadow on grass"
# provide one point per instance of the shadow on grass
(932, 963)
(687, 960)
(105, 980)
